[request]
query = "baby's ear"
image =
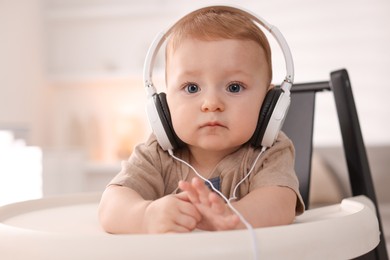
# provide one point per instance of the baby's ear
(271, 86)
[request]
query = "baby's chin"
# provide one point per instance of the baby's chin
(215, 147)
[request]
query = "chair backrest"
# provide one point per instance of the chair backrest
(299, 127)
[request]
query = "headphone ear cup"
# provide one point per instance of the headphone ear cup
(267, 108)
(162, 108)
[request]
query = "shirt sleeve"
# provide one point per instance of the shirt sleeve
(142, 172)
(277, 169)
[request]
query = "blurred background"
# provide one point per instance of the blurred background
(72, 98)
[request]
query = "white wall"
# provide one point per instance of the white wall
(22, 80)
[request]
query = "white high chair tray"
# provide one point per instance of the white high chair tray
(66, 227)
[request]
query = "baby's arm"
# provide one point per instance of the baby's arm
(268, 206)
(122, 210)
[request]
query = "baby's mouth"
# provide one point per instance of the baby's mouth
(213, 124)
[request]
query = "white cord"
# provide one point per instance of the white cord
(247, 175)
(228, 201)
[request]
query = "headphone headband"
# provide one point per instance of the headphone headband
(274, 31)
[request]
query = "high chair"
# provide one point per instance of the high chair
(66, 227)
(299, 127)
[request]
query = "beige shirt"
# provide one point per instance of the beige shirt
(153, 173)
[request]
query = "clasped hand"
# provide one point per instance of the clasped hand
(196, 207)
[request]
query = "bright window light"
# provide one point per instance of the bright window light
(20, 170)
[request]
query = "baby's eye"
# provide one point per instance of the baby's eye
(234, 88)
(191, 88)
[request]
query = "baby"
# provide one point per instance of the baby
(218, 72)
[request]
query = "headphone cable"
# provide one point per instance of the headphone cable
(228, 201)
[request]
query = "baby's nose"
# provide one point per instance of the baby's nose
(213, 103)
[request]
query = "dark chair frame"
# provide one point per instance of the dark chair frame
(359, 173)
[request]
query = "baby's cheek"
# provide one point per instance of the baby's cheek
(182, 126)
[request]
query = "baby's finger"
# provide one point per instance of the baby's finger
(217, 203)
(230, 222)
(187, 208)
(202, 191)
(186, 221)
(190, 191)
(177, 229)
(183, 196)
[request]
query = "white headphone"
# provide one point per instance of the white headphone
(272, 113)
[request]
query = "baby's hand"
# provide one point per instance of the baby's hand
(215, 213)
(171, 213)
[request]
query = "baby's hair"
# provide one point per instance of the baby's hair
(216, 23)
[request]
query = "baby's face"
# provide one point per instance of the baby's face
(215, 90)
